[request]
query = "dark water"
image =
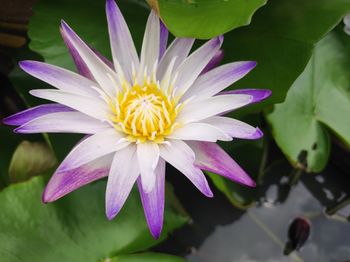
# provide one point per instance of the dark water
(222, 233)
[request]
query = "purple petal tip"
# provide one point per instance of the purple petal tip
(208, 193)
(156, 230)
(258, 134)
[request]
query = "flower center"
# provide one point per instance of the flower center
(144, 113)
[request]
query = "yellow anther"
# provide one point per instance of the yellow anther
(144, 113)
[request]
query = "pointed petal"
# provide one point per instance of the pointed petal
(210, 157)
(147, 156)
(257, 94)
(153, 202)
(193, 112)
(27, 115)
(181, 156)
(218, 79)
(200, 132)
(63, 122)
(214, 62)
(179, 48)
(150, 45)
(234, 128)
(190, 69)
(94, 147)
(64, 182)
(104, 75)
(123, 48)
(93, 107)
(79, 62)
(121, 179)
(60, 78)
(164, 33)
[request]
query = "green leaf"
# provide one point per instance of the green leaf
(30, 159)
(281, 38)
(74, 228)
(205, 19)
(318, 99)
(147, 257)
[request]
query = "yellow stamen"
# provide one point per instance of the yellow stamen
(144, 112)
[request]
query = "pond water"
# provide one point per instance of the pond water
(222, 233)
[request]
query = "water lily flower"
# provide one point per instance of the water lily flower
(139, 113)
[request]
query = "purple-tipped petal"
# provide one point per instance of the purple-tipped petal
(153, 202)
(103, 74)
(205, 108)
(218, 79)
(79, 62)
(257, 94)
(64, 182)
(93, 147)
(60, 78)
(190, 69)
(214, 62)
(164, 33)
(63, 122)
(211, 157)
(122, 176)
(27, 115)
(180, 155)
(234, 128)
(123, 48)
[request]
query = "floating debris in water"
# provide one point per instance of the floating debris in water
(298, 233)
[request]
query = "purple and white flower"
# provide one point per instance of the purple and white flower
(139, 113)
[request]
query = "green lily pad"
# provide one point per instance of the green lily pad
(31, 159)
(318, 101)
(74, 228)
(281, 38)
(204, 19)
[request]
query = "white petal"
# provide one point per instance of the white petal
(121, 179)
(181, 156)
(63, 122)
(199, 132)
(122, 45)
(193, 112)
(93, 107)
(103, 74)
(234, 128)
(150, 45)
(190, 69)
(147, 156)
(94, 147)
(179, 48)
(218, 79)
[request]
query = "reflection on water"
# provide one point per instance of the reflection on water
(261, 233)
(222, 233)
